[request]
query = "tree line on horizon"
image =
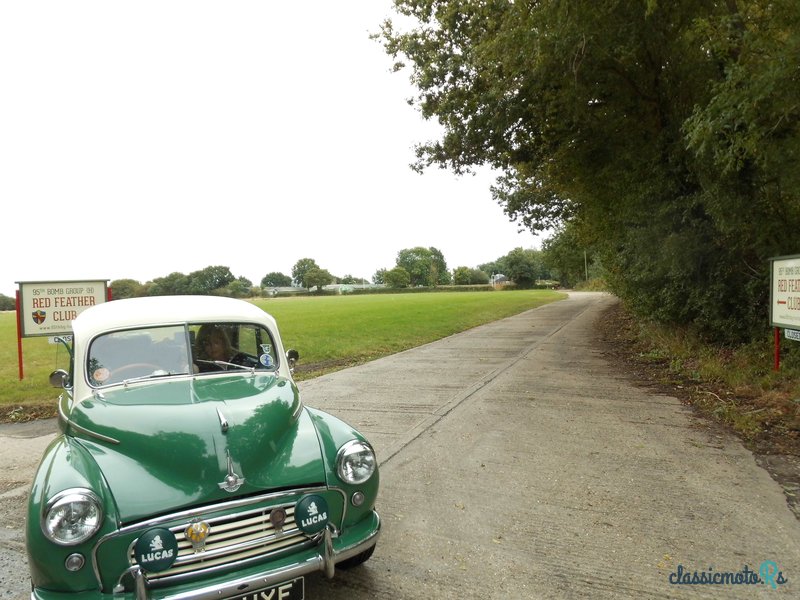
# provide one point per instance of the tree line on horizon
(414, 267)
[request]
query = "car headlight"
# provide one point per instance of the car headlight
(72, 517)
(355, 462)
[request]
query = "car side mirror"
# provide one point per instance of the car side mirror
(292, 356)
(59, 378)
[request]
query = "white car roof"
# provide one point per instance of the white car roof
(155, 310)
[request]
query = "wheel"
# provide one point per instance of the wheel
(358, 559)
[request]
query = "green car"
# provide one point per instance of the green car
(187, 465)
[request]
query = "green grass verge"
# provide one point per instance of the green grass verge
(736, 385)
(330, 332)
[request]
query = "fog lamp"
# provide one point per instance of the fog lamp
(74, 562)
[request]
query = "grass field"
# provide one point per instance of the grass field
(330, 332)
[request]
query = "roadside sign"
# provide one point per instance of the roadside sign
(784, 309)
(792, 334)
(48, 308)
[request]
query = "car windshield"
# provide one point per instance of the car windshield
(195, 348)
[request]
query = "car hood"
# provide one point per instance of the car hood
(172, 445)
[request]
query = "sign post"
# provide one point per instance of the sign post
(19, 340)
(784, 298)
(48, 308)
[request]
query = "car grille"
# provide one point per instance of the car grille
(240, 535)
(233, 540)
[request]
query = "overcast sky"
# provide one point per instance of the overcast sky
(143, 138)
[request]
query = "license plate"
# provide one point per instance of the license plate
(289, 590)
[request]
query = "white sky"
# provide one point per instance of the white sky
(142, 138)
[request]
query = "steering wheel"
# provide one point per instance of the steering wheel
(240, 358)
(207, 366)
(143, 368)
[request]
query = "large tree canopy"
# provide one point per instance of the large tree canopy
(204, 281)
(666, 133)
(523, 267)
(426, 266)
(276, 279)
(301, 269)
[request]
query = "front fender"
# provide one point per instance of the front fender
(334, 433)
(64, 465)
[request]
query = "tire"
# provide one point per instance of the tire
(358, 559)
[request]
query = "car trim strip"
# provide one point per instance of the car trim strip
(83, 430)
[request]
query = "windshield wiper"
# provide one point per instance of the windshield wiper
(154, 375)
(227, 364)
(222, 363)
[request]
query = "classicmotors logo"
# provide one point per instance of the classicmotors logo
(768, 574)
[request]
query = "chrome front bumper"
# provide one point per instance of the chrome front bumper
(325, 560)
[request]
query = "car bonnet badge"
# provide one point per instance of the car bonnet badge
(197, 532)
(232, 481)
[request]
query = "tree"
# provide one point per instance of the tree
(440, 275)
(523, 267)
(478, 277)
(425, 266)
(126, 288)
(207, 280)
(668, 132)
(417, 263)
(276, 279)
(397, 278)
(379, 277)
(7, 303)
(461, 276)
(203, 282)
(172, 285)
(240, 288)
(300, 268)
(467, 276)
(318, 278)
(565, 257)
(494, 267)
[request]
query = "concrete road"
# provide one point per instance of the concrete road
(517, 464)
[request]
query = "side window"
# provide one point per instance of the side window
(255, 341)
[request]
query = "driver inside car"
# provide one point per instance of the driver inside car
(213, 345)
